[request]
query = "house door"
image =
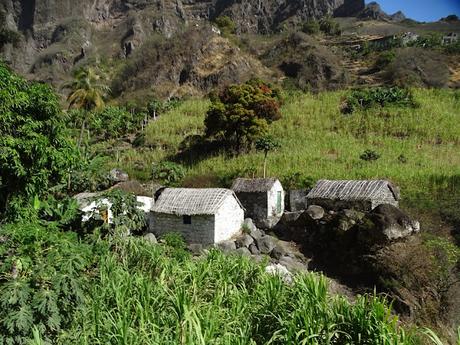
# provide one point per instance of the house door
(278, 202)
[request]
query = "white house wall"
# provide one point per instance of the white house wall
(272, 198)
(229, 220)
(200, 231)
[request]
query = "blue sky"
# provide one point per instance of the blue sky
(421, 10)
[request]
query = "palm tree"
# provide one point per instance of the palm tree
(87, 93)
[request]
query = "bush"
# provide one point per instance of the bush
(419, 67)
(330, 27)
(385, 58)
(380, 96)
(168, 173)
(311, 27)
(43, 281)
(109, 123)
(226, 25)
(369, 155)
(453, 48)
(126, 213)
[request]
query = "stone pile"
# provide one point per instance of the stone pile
(255, 243)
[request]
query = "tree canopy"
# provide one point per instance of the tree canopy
(35, 153)
(241, 113)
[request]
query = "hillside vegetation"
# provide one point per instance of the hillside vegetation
(116, 290)
(418, 147)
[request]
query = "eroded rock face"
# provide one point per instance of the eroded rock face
(119, 27)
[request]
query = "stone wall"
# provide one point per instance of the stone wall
(201, 229)
(255, 204)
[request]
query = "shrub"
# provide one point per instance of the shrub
(419, 67)
(329, 26)
(369, 155)
(385, 58)
(453, 48)
(226, 25)
(168, 173)
(89, 175)
(380, 96)
(311, 27)
(43, 281)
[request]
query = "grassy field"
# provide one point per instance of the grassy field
(419, 147)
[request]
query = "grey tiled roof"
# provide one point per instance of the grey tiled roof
(192, 201)
(352, 190)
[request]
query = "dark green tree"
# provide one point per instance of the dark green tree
(241, 113)
(35, 153)
(266, 144)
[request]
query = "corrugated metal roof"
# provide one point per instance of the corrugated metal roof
(351, 189)
(253, 184)
(192, 201)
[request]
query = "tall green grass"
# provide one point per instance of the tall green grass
(146, 294)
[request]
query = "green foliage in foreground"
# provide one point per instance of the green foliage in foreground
(35, 153)
(43, 280)
(127, 291)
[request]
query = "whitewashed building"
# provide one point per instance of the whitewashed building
(206, 215)
(263, 199)
(93, 203)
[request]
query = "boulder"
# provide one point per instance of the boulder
(281, 271)
(132, 187)
(244, 240)
(353, 214)
(315, 212)
(254, 250)
(292, 264)
(297, 200)
(249, 226)
(226, 246)
(243, 251)
(278, 252)
(266, 244)
(150, 238)
(118, 175)
(388, 223)
(195, 248)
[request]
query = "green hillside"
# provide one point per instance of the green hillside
(418, 147)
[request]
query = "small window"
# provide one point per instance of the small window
(187, 219)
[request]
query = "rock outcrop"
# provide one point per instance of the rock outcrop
(56, 35)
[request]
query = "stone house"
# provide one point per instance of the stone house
(364, 195)
(450, 38)
(263, 199)
(205, 216)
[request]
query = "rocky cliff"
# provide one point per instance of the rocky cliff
(56, 36)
